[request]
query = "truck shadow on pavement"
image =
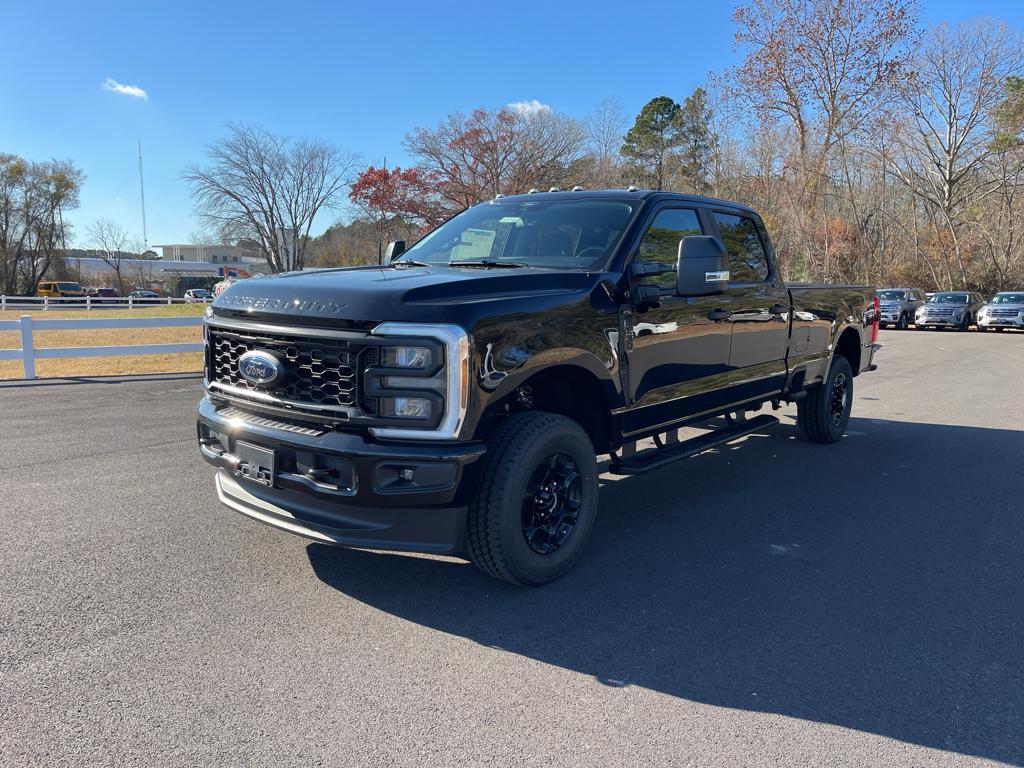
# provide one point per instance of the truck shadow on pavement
(877, 584)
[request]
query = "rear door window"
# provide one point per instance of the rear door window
(748, 262)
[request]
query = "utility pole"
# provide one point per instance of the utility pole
(142, 197)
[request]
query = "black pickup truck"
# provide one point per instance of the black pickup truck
(455, 399)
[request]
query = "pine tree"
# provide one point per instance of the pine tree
(655, 134)
(698, 142)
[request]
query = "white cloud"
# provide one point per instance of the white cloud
(532, 107)
(110, 84)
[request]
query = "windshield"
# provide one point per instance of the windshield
(1008, 298)
(948, 298)
(571, 234)
(892, 295)
(68, 287)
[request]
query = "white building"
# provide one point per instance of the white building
(210, 254)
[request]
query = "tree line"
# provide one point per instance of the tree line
(876, 151)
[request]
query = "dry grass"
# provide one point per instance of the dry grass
(163, 310)
(107, 366)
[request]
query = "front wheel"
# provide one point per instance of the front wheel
(824, 413)
(903, 322)
(537, 500)
(965, 324)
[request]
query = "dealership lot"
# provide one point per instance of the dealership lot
(773, 602)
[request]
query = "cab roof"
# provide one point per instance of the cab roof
(621, 194)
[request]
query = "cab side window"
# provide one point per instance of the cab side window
(660, 242)
(748, 262)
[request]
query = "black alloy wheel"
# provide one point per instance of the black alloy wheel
(551, 503)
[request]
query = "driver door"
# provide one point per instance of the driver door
(676, 352)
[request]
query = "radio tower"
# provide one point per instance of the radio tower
(142, 197)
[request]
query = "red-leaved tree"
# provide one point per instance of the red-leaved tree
(396, 196)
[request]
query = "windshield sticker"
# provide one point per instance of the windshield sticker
(474, 244)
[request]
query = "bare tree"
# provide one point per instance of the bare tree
(33, 232)
(605, 127)
(475, 157)
(951, 128)
(822, 65)
(111, 242)
(269, 189)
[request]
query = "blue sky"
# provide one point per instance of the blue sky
(361, 75)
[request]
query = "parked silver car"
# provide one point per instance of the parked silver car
(1004, 310)
(949, 309)
(897, 306)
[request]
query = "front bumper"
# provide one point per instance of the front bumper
(942, 322)
(1001, 322)
(886, 316)
(342, 488)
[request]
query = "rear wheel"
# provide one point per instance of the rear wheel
(537, 500)
(824, 413)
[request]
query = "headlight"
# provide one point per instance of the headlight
(982, 312)
(421, 385)
(419, 358)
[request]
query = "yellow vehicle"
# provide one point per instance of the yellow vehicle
(56, 289)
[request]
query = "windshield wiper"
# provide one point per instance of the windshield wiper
(488, 263)
(410, 263)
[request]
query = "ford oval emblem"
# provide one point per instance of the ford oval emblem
(262, 369)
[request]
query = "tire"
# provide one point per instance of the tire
(903, 322)
(515, 535)
(965, 324)
(818, 420)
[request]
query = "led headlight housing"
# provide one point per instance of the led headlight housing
(418, 387)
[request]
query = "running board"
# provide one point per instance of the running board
(659, 457)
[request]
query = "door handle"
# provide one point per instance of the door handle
(719, 314)
(778, 309)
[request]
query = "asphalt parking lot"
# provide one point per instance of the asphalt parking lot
(771, 603)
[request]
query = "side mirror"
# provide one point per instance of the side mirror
(702, 268)
(395, 249)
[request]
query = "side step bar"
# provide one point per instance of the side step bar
(653, 459)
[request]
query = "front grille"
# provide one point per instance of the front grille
(940, 312)
(323, 374)
(1003, 312)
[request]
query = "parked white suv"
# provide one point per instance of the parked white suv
(1004, 310)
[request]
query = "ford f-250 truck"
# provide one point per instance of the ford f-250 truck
(455, 399)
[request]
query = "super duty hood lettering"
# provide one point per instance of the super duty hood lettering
(267, 303)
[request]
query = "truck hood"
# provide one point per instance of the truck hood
(1014, 307)
(416, 294)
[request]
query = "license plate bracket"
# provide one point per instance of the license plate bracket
(255, 463)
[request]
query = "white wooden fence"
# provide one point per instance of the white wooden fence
(85, 302)
(28, 353)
